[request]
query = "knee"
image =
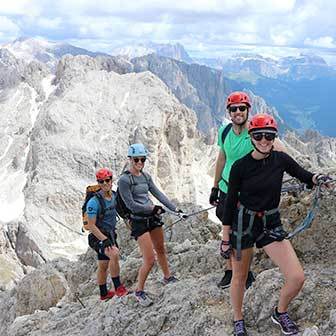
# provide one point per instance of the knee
(102, 268)
(297, 279)
(149, 261)
(160, 250)
(114, 254)
(239, 277)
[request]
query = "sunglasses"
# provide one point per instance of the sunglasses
(104, 181)
(241, 108)
(267, 135)
(136, 160)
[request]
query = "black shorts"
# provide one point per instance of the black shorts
(256, 238)
(221, 206)
(94, 243)
(141, 226)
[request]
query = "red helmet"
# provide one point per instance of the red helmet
(262, 121)
(238, 97)
(103, 173)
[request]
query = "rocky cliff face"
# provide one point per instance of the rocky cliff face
(200, 88)
(313, 150)
(56, 131)
(61, 298)
(63, 128)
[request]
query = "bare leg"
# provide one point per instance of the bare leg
(284, 256)
(102, 271)
(146, 248)
(113, 254)
(158, 242)
(226, 236)
(239, 275)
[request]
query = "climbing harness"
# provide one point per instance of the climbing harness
(240, 233)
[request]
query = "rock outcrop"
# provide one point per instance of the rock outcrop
(63, 297)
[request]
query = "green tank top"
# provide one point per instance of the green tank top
(235, 147)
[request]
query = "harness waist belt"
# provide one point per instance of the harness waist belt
(240, 233)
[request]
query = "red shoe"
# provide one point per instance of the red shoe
(108, 296)
(121, 291)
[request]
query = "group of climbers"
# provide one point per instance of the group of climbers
(144, 218)
(246, 192)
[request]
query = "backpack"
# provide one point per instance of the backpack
(91, 191)
(121, 207)
(225, 132)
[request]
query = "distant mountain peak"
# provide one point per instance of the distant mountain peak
(175, 51)
(43, 50)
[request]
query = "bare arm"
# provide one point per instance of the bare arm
(220, 163)
(94, 229)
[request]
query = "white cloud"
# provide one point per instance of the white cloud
(322, 42)
(207, 23)
(245, 38)
(273, 6)
(8, 27)
(47, 23)
(20, 7)
(281, 37)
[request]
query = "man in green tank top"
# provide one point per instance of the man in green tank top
(234, 142)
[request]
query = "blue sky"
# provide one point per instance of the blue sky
(204, 27)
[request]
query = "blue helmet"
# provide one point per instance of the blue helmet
(137, 150)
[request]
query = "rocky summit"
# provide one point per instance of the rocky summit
(59, 126)
(61, 297)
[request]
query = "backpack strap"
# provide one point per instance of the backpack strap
(146, 175)
(225, 132)
(131, 177)
(101, 212)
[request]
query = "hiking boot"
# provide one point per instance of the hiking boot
(121, 291)
(250, 279)
(226, 280)
(143, 298)
(239, 328)
(169, 280)
(108, 296)
(288, 327)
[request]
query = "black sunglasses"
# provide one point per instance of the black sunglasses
(241, 108)
(136, 160)
(104, 181)
(268, 136)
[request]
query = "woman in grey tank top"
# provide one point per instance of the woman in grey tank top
(145, 219)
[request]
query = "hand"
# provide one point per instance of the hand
(319, 179)
(214, 196)
(158, 210)
(181, 213)
(111, 251)
(106, 243)
(103, 244)
(225, 249)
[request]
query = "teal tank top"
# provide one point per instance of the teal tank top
(235, 147)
